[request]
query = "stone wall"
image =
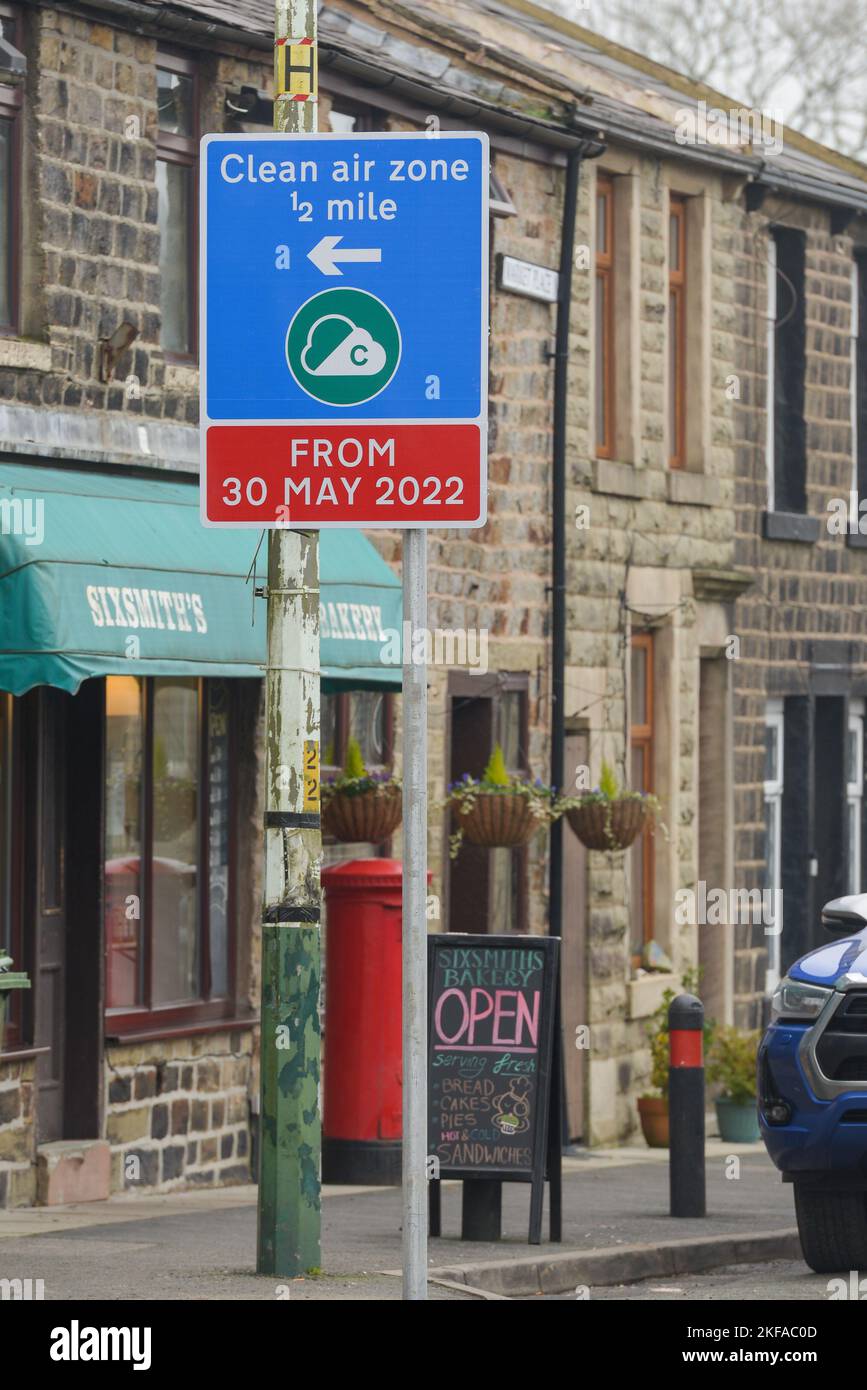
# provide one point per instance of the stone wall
(17, 1134)
(803, 593)
(177, 1112)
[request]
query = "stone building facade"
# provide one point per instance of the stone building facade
(801, 677)
(671, 656)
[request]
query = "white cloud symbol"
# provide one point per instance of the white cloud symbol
(357, 355)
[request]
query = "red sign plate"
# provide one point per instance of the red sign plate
(344, 475)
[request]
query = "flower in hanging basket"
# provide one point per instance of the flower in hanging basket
(609, 817)
(498, 809)
(361, 807)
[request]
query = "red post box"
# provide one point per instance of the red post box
(361, 1141)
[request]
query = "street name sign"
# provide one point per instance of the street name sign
(528, 278)
(344, 329)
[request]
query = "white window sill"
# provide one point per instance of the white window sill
(24, 352)
(181, 377)
(620, 479)
(645, 993)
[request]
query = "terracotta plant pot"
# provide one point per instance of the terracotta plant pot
(653, 1113)
(591, 822)
(497, 819)
(367, 818)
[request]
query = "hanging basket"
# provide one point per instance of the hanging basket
(608, 825)
(497, 820)
(367, 818)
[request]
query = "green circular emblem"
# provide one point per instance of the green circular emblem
(343, 346)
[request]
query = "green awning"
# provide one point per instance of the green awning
(103, 573)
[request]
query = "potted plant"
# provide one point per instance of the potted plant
(361, 807)
(653, 1106)
(609, 817)
(9, 979)
(498, 809)
(732, 1065)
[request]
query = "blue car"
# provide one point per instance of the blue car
(812, 1088)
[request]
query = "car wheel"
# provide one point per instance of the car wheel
(833, 1228)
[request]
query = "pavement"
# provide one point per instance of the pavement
(616, 1231)
(777, 1281)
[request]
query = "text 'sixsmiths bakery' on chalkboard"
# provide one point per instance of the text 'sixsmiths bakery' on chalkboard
(492, 1002)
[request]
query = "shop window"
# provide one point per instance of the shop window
(176, 176)
(12, 64)
(786, 350)
(11, 845)
(487, 888)
(168, 808)
(604, 328)
(366, 715)
(641, 751)
(677, 331)
(854, 794)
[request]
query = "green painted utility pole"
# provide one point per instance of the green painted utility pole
(290, 1125)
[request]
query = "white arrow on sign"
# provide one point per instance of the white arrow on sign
(325, 255)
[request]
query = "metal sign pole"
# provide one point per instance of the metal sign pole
(290, 1130)
(414, 917)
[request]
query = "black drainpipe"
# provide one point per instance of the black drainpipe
(589, 149)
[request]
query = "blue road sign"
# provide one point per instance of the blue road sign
(344, 277)
(344, 329)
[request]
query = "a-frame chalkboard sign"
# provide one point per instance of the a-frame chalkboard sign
(493, 1021)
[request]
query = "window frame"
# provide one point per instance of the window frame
(642, 739)
(770, 371)
(343, 726)
(787, 445)
(772, 795)
(145, 1017)
(14, 820)
(12, 110)
(855, 795)
(604, 351)
(677, 290)
(518, 854)
(183, 150)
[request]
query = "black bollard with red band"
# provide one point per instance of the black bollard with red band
(686, 1106)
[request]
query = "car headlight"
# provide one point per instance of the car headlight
(796, 999)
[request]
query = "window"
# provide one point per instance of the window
(486, 889)
(177, 156)
(604, 371)
(346, 118)
(786, 440)
(10, 172)
(641, 774)
(854, 794)
(859, 376)
(773, 796)
(366, 715)
(168, 888)
(677, 331)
